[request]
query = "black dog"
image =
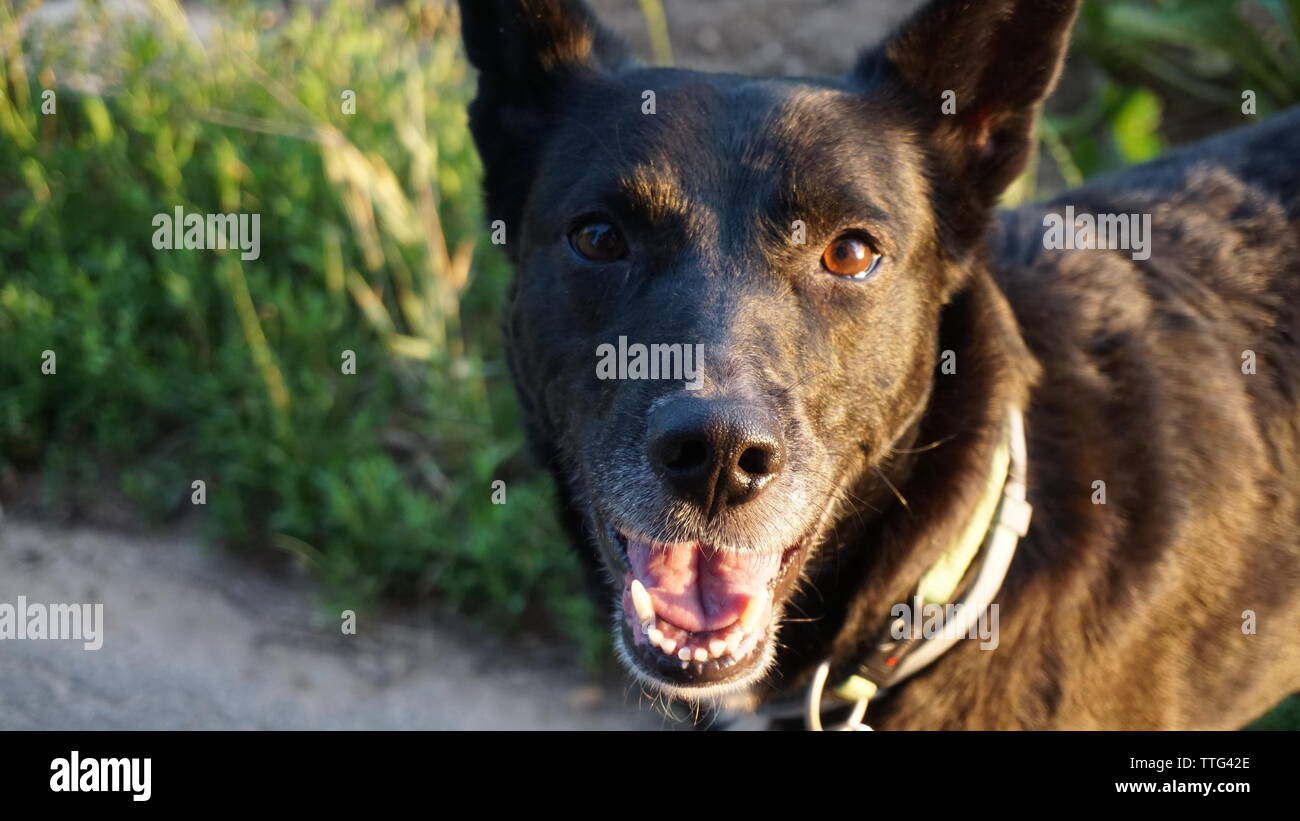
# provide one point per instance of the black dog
(885, 365)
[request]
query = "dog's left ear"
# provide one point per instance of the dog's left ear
(529, 54)
(977, 70)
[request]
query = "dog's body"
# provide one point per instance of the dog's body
(1129, 614)
(829, 461)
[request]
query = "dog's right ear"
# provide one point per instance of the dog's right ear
(527, 52)
(976, 71)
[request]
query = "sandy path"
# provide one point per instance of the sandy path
(196, 639)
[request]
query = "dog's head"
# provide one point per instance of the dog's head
(726, 309)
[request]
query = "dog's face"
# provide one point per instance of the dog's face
(727, 299)
(775, 226)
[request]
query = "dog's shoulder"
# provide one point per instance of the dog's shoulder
(1260, 157)
(1221, 224)
(1243, 179)
(1199, 335)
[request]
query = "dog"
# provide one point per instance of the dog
(905, 397)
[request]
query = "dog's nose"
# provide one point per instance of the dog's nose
(714, 453)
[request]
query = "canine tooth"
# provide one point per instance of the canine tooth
(733, 640)
(645, 609)
(655, 635)
(684, 654)
(752, 613)
(717, 647)
(701, 654)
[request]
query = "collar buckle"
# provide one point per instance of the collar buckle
(858, 689)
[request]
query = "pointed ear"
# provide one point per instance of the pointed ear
(526, 49)
(977, 71)
(527, 53)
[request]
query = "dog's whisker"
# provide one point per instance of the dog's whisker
(897, 493)
(924, 448)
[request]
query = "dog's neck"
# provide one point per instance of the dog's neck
(941, 470)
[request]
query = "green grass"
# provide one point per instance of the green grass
(1285, 717)
(1146, 75)
(1206, 50)
(175, 366)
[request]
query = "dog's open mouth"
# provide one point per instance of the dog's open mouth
(694, 615)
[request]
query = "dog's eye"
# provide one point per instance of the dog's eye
(598, 241)
(850, 255)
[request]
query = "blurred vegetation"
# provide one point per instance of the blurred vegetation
(176, 366)
(1285, 717)
(1145, 75)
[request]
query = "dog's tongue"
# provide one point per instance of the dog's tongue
(697, 588)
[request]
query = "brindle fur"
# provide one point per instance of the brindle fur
(1126, 614)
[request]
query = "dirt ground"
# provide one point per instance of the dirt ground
(198, 639)
(791, 37)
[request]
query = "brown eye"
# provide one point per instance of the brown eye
(851, 256)
(598, 242)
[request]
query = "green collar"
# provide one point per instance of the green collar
(1000, 520)
(940, 582)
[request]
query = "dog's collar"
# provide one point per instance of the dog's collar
(1001, 519)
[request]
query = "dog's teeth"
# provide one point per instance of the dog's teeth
(753, 612)
(668, 645)
(645, 609)
(684, 654)
(717, 648)
(655, 635)
(701, 654)
(733, 640)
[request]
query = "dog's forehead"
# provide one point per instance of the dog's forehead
(671, 139)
